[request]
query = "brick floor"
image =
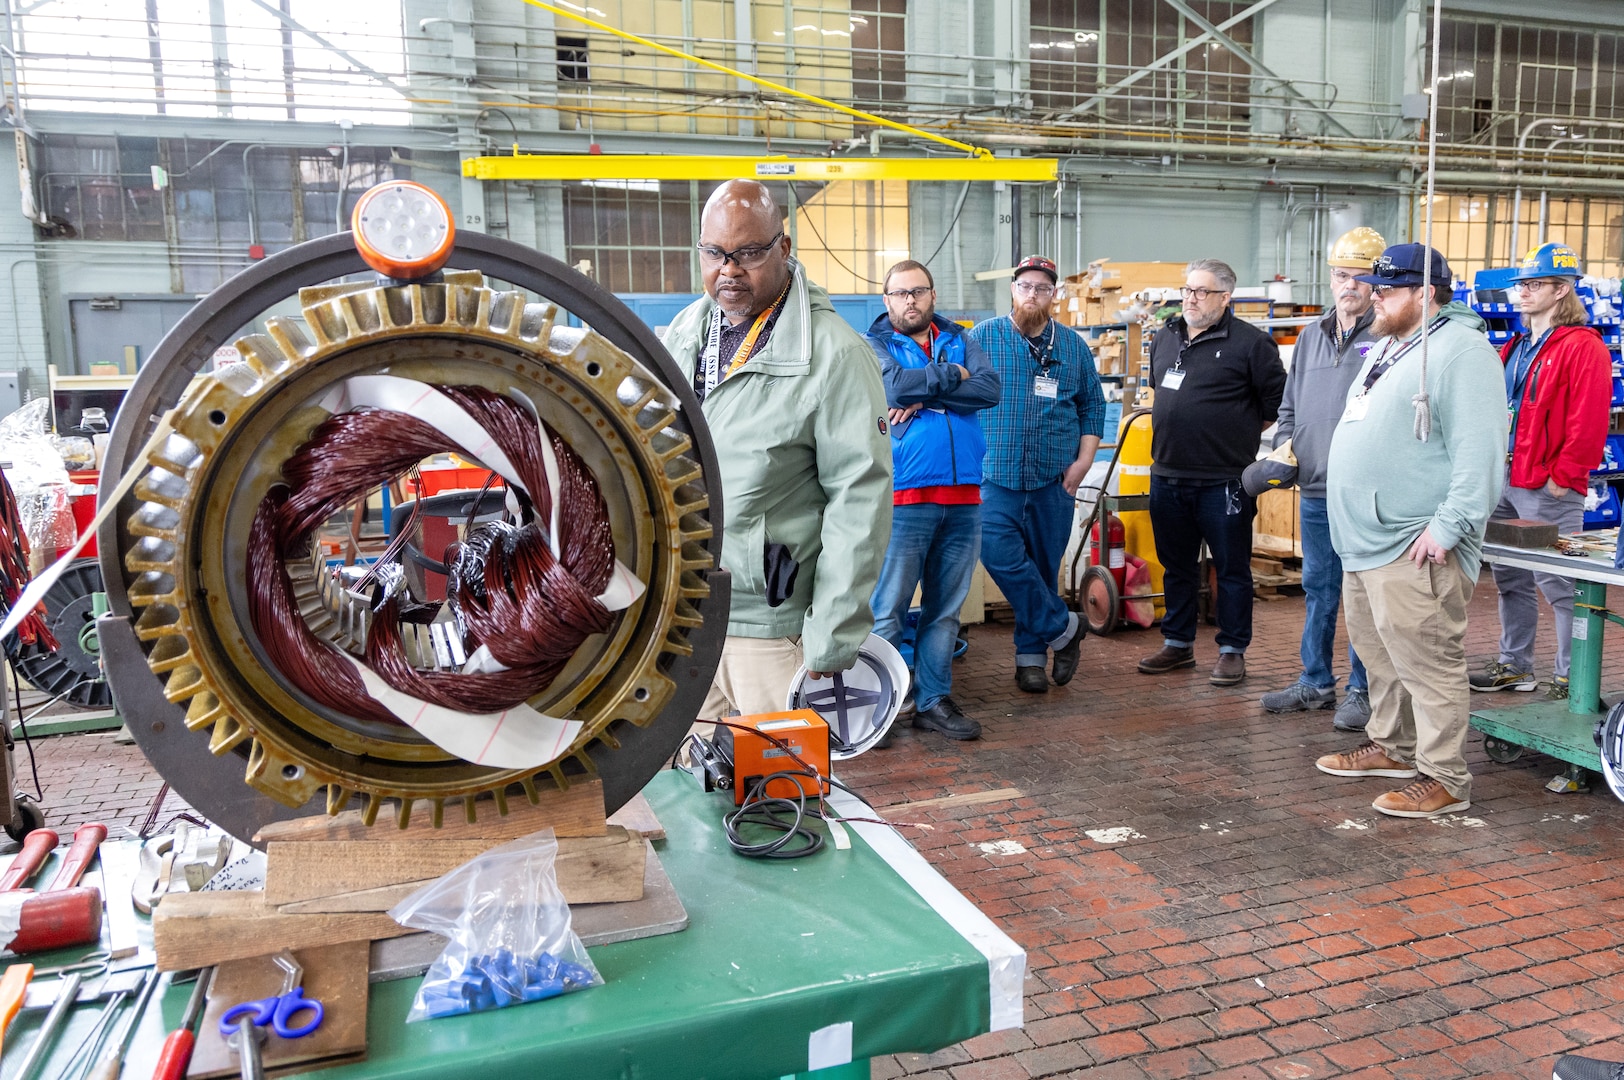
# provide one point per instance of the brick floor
(1261, 922)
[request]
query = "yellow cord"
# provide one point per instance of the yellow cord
(976, 151)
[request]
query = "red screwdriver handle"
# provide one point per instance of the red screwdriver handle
(86, 839)
(175, 1056)
(36, 846)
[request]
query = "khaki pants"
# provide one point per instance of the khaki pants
(1408, 625)
(753, 677)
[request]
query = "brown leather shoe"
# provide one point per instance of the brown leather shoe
(1230, 669)
(1169, 659)
(1367, 760)
(1424, 798)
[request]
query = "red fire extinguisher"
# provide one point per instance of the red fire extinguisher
(1116, 555)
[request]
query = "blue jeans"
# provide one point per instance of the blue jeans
(1181, 517)
(1322, 584)
(1023, 536)
(935, 547)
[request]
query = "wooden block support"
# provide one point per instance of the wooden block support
(335, 975)
(1521, 533)
(576, 812)
(191, 930)
(374, 875)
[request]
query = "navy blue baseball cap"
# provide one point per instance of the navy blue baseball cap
(1406, 264)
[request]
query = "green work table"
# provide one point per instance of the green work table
(786, 967)
(1560, 729)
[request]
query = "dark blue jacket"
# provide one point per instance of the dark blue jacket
(943, 443)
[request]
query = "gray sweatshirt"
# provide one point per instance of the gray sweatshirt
(1384, 485)
(1316, 391)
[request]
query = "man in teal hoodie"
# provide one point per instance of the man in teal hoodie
(1415, 468)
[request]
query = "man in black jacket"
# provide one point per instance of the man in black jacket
(1218, 382)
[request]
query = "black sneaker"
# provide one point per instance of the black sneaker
(1065, 657)
(1574, 1067)
(945, 717)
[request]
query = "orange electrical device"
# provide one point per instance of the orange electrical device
(754, 757)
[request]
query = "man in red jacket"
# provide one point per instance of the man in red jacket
(1558, 389)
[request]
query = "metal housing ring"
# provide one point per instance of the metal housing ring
(643, 415)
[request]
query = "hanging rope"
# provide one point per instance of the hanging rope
(1421, 401)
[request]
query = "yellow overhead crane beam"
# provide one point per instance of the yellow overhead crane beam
(979, 165)
(708, 167)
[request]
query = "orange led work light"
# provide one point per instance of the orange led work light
(403, 230)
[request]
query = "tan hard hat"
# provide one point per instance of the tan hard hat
(1357, 248)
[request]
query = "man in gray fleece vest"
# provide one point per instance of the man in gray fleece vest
(1327, 357)
(1415, 468)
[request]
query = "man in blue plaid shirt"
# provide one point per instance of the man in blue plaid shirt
(1041, 439)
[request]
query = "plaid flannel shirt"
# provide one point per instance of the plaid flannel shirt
(1031, 440)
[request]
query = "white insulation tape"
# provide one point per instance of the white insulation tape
(515, 738)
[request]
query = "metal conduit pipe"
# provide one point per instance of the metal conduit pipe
(1522, 148)
(1505, 171)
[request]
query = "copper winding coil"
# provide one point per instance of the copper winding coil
(530, 609)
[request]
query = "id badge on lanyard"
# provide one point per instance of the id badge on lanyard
(1046, 386)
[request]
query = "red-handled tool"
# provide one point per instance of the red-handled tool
(37, 846)
(57, 920)
(177, 1051)
(86, 840)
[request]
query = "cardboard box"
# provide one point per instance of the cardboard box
(1130, 277)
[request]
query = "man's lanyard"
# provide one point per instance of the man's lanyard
(1381, 366)
(711, 360)
(1042, 355)
(1519, 378)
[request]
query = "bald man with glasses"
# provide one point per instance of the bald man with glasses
(793, 398)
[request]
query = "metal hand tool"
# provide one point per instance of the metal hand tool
(49, 1030)
(177, 1050)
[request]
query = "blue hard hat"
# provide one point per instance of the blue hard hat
(1549, 261)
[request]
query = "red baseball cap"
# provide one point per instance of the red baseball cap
(1038, 262)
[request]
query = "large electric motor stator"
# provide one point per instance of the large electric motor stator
(217, 692)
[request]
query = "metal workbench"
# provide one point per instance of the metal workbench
(785, 966)
(1562, 730)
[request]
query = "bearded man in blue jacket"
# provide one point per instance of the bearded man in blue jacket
(936, 380)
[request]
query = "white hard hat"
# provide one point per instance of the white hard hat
(859, 703)
(1610, 736)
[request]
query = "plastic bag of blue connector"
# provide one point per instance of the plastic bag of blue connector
(509, 926)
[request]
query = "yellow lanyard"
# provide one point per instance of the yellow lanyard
(748, 345)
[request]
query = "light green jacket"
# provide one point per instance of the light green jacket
(805, 462)
(1383, 485)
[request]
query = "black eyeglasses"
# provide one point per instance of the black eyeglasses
(911, 294)
(1200, 295)
(1033, 288)
(747, 258)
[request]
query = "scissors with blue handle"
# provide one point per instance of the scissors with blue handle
(278, 1010)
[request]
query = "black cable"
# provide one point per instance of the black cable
(33, 766)
(767, 812)
(829, 252)
(950, 226)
